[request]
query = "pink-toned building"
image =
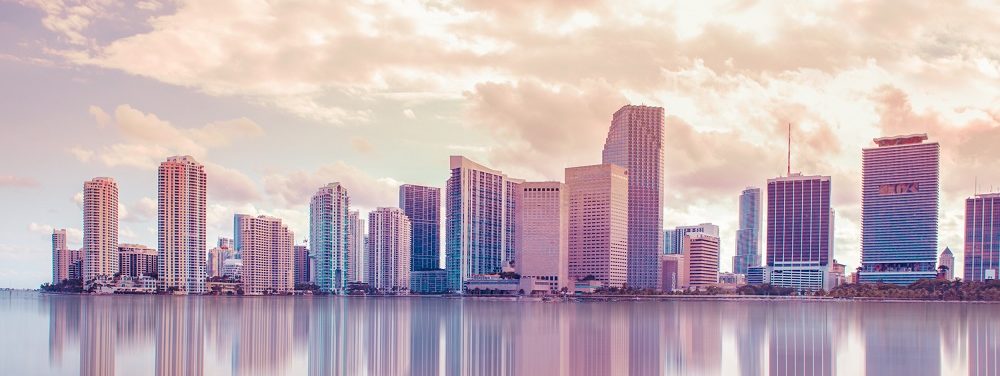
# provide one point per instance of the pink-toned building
(598, 223)
(100, 228)
(356, 249)
(300, 269)
(136, 260)
(674, 272)
(543, 233)
(388, 258)
(265, 246)
(63, 258)
(181, 192)
(702, 253)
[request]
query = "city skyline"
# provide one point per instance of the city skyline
(269, 138)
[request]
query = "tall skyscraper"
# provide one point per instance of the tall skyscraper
(982, 237)
(181, 210)
(678, 234)
(301, 264)
(748, 233)
(356, 248)
(701, 254)
(329, 221)
(899, 209)
(480, 226)
(63, 258)
(635, 141)
(100, 228)
(543, 233)
(389, 236)
(598, 223)
(136, 260)
(423, 206)
(265, 245)
(798, 232)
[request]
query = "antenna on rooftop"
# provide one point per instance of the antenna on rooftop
(788, 167)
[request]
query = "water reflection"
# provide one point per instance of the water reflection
(146, 335)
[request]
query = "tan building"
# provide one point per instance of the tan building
(100, 228)
(542, 228)
(136, 260)
(265, 246)
(674, 269)
(63, 258)
(702, 251)
(388, 259)
(598, 223)
(181, 225)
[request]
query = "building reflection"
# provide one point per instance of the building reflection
(800, 340)
(97, 342)
(180, 337)
(983, 330)
(903, 342)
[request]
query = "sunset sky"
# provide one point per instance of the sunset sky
(279, 98)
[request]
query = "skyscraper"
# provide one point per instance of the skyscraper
(181, 210)
(748, 233)
(265, 245)
(598, 223)
(701, 256)
(100, 228)
(356, 248)
(543, 233)
(301, 264)
(136, 260)
(899, 209)
(329, 220)
(798, 232)
(62, 257)
(677, 237)
(479, 216)
(668, 243)
(982, 237)
(635, 141)
(389, 236)
(423, 206)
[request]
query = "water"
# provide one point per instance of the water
(163, 335)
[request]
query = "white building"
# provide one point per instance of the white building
(100, 228)
(356, 249)
(328, 237)
(543, 233)
(388, 259)
(265, 245)
(181, 225)
(598, 223)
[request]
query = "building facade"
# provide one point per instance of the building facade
(543, 233)
(434, 281)
(356, 248)
(668, 243)
(63, 258)
(899, 209)
(300, 268)
(748, 233)
(982, 237)
(388, 259)
(674, 271)
(423, 206)
(677, 237)
(181, 208)
(947, 260)
(136, 260)
(266, 246)
(100, 228)
(799, 248)
(598, 223)
(701, 251)
(329, 239)
(635, 142)
(479, 228)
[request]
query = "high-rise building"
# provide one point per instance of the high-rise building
(982, 237)
(678, 234)
(181, 209)
(225, 243)
(701, 253)
(389, 235)
(63, 258)
(423, 206)
(100, 228)
(543, 233)
(329, 221)
(635, 142)
(479, 227)
(598, 223)
(136, 260)
(668, 242)
(674, 270)
(899, 209)
(265, 245)
(748, 233)
(301, 267)
(217, 256)
(356, 248)
(798, 232)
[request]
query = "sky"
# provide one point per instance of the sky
(279, 98)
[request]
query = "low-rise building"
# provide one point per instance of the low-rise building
(433, 281)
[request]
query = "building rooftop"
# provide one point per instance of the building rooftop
(901, 140)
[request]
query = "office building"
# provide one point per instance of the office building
(635, 142)
(674, 271)
(748, 232)
(136, 260)
(434, 281)
(356, 248)
(300, 268)
(100, 229)
(266, 246)
(598, 223)
(181, 193)
(798, 232)
(668, 242)
(677, 237)
(701, 251)
(543, 233)
(899, 210)
(423, 206)
(388, 259)
(329, 240)
(63, 258)
(982, 237)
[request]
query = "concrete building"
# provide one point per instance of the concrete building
(217, 256)
(635, 142)
(674, 269)
(388, 259)
(702, 255)
(668, 243)
(356, 248)
(479, 230)
(233, 268)
(329, 239)
(677, 237)
(598, 223)
(63, 258)
(543, 233)
(947, 259)
(100, 229)
(266, 246)
(423, 206)
(300, 268)
(748, 232)
(136, 260)
(982, 237)
(899, 209)
(434, 281)
(758, 275)
(732, 280)
(799, 248)
(181, 194)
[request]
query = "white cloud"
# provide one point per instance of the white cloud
(409, 114)
(294, 189)
(17, 182)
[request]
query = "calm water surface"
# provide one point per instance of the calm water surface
(146, 335)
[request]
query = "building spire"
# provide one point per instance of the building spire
(788, 166)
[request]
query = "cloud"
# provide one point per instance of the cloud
(294, 189)
(10, 181)
(230, 185)
(409, 114)
(81, 154)
(74, 236)
(362, 145)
